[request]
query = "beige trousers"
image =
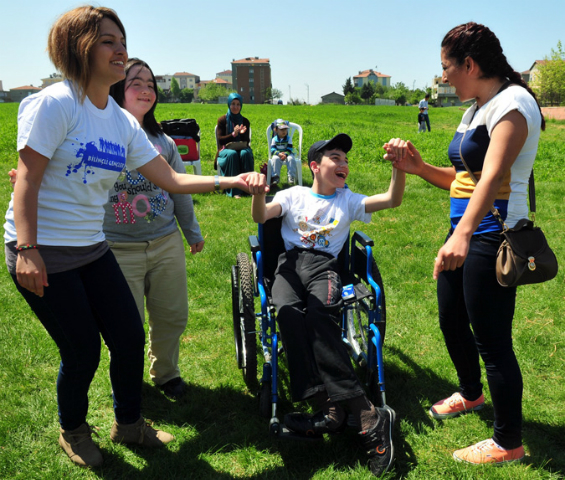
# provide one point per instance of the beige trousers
(156, 272)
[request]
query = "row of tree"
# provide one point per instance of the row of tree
(549, 83)
(370, 91)
(209, 93)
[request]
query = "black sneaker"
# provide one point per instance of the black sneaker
(377, 441)
(174, 388)
(275, 180)
(313, 425)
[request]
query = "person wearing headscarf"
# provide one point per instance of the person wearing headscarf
(233, 128)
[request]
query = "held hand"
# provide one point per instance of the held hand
(256, 183)
(13, 176)
(403, 155)
(30, 271)
(197, 247)
(451, 256)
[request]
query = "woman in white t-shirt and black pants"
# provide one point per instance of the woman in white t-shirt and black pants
(498, 139)
(73, 141)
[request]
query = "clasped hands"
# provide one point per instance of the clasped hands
(239, 129)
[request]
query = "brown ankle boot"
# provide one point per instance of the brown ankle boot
(139, 433)
(79, 446)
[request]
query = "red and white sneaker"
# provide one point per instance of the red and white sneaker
(455, 405)
(488, 452)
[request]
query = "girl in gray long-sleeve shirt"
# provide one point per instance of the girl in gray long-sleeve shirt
(140, 224)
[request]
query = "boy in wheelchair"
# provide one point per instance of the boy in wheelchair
(307, 295)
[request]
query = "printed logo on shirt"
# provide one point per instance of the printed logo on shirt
(106, 155)
(317, 236)
(142, 206)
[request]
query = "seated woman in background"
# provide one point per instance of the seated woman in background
(233, 129)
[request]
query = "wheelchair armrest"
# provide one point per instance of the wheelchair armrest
(364, 240)
(254, 243)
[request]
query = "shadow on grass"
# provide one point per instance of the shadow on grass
(222, 427)
(408, 389)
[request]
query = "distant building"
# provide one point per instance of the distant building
(4, 97)
(164, 82)
(370, 75)
(225, 75)
(186, 80)
(19, 93)
(53, 78)
(444, 94)
(333, 98)
(530, 75)
(251, 77)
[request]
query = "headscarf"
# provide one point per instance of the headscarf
(231, 119)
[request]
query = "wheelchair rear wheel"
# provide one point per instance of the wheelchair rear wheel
(244, 319)
(358, 321)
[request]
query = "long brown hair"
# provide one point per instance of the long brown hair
(481, 44)
(71, 40)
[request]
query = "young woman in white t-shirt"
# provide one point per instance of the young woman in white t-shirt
(498, 139)
(73, 141)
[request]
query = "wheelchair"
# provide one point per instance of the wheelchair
(363, 317)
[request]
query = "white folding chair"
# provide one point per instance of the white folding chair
(292, 129)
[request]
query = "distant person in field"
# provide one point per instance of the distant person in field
(421, 121)
(282, 152)
(233, 133)
(498, 139)
(307, 294)
(425, 106)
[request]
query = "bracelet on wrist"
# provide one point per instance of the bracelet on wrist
(21, 248)
(216, 183)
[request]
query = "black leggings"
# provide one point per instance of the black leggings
(77, 308)
(471, 297)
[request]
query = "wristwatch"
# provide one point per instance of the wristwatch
(216, 183)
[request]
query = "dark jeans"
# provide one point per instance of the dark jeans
(427, 118)
(78, 306)
(307, 295)
(471, 297)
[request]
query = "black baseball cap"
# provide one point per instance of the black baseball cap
(341, 141)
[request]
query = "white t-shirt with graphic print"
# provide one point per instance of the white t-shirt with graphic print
(87, 148)
(317, 221)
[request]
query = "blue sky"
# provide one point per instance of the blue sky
(313, 46)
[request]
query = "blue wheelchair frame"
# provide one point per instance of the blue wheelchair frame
(366, 299)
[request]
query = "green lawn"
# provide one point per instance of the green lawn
(218, 428)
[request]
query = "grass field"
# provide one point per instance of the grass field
(220, 434)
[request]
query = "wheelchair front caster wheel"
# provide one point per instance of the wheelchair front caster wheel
(274, 426)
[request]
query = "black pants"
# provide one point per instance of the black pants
(77, 308)
(307, 295)
(471, 297)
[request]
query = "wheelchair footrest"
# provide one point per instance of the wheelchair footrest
(286, 434)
